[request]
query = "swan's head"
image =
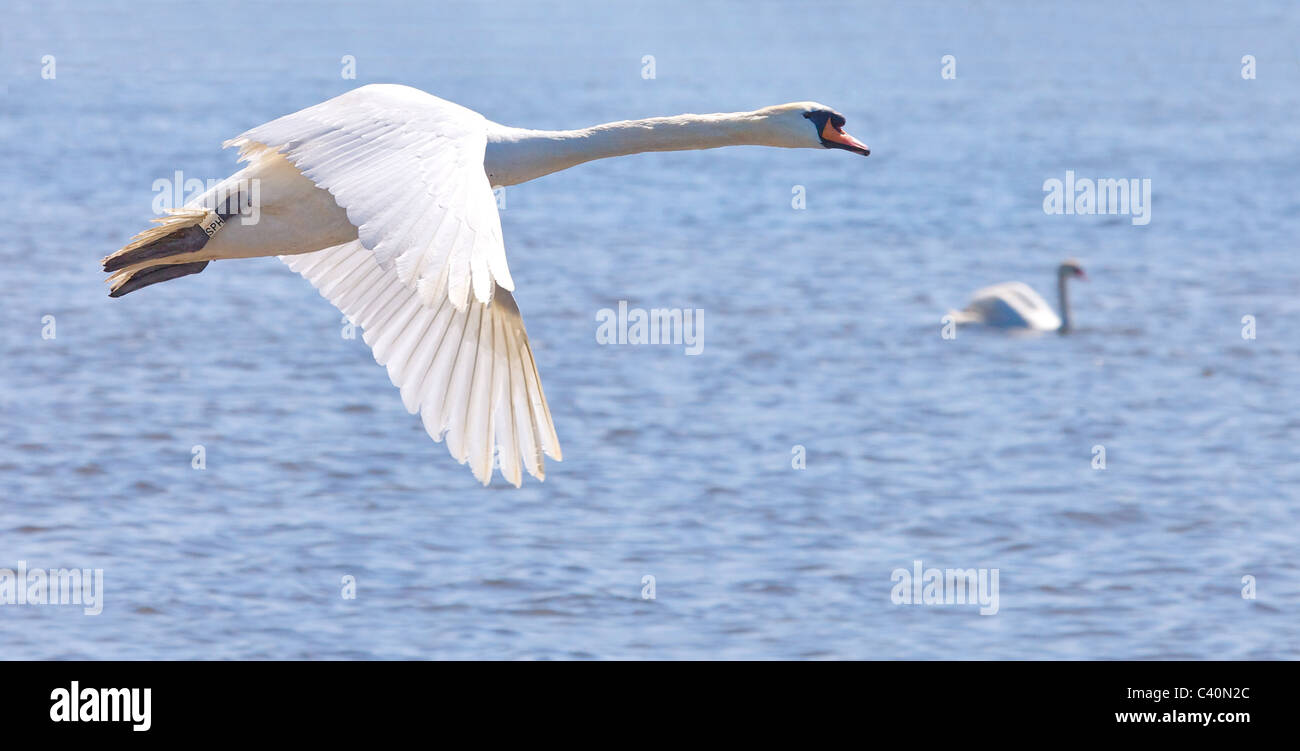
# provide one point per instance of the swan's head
(1071, 268)
(811, 125)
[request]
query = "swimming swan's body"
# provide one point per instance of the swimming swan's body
(1015, 305)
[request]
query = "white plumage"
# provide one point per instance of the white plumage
(1011, 305)
(1015, 305)
(429, 236)
(408, 169)
(382, 198)
(468, 372)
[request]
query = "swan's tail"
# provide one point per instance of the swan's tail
(164, 251)
(960, 317)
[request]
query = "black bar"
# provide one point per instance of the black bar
(301, 700)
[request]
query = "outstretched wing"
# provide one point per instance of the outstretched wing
(468, 372)
(407, 167)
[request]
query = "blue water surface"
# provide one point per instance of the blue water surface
(822, 331)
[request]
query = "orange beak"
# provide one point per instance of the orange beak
(835, 135)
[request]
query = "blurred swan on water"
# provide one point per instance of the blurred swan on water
(1015, 305)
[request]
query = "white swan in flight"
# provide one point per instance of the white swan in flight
(383, 199)
(1015, 305)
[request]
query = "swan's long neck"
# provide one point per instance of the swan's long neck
(1064, 295)
(516, 155)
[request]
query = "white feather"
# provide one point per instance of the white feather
(469, 373)
(402, 163)
(382, 198)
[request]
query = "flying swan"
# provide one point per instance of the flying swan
(382, 198)
(1015, 305)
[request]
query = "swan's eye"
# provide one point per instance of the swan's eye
(822, 117)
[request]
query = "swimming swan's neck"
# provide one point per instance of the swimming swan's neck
(1064, 299)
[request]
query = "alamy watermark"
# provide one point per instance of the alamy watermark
(77, 704)
(56, 586)
(1083, 195)
(654, 326)
(226, 197)
(950, 586)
